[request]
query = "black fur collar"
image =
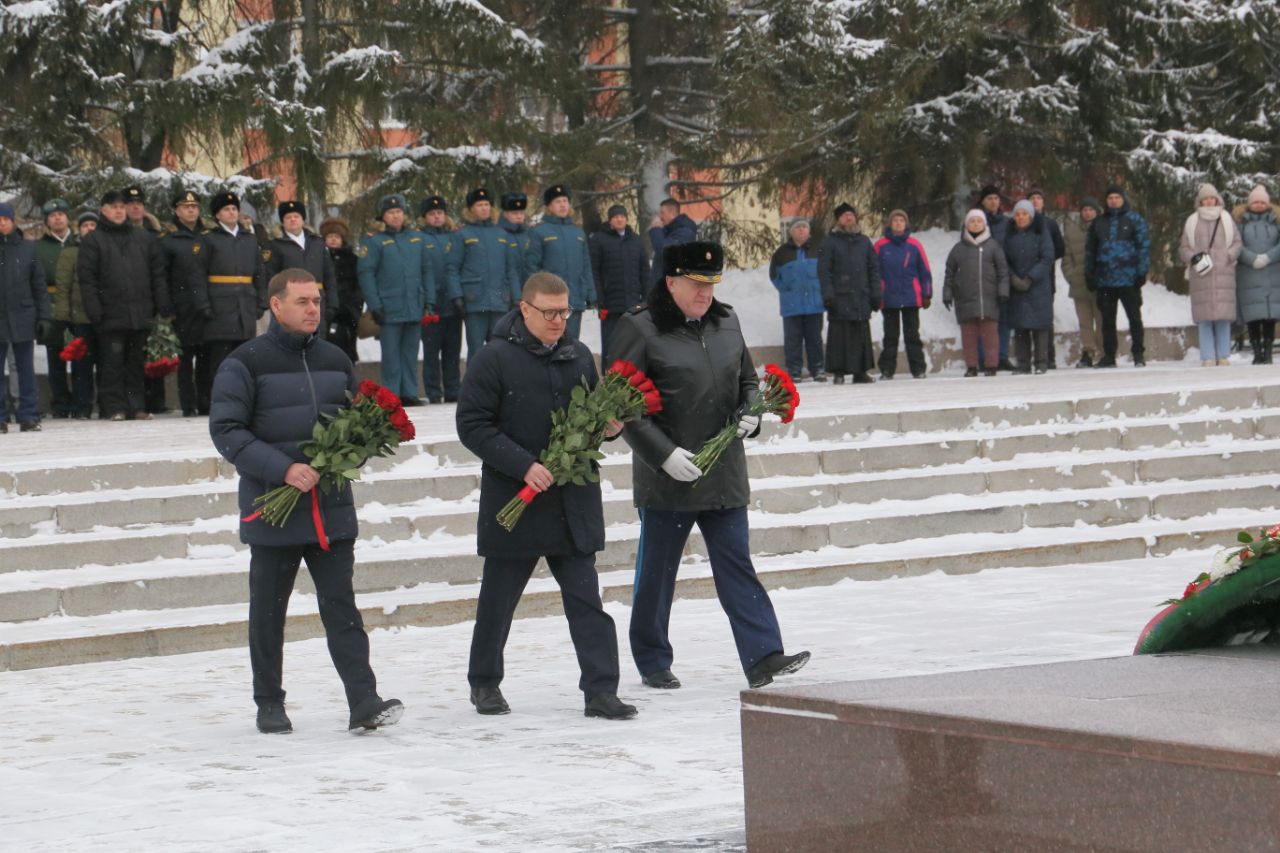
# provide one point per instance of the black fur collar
(667, 316)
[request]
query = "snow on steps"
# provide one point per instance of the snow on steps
(870, 482)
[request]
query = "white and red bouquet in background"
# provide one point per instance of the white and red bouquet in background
(622, 394)
(373, 425)
(163, 350)
(776, 395)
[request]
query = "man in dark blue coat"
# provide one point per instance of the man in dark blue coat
(24, 317)
(442, 339)
(670, 228)
(529, 369)
(267, 398)
(180, 248)
(513, 219)
(558, 246)
(621, 270)
(1117, 257)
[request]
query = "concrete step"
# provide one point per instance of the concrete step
(419, 556)
(64, 640)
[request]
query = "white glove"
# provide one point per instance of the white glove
(747, 424)
(679, 466)
(1261, 261)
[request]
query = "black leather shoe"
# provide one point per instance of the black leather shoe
(4, 427)
(609, 706)
(775, 664)
(488, 700)
(837, 379)
(662, 680)
(410, 402)
(29, 426)
(971, 372)
(272, 720)
(1105, 361)
(375, 712)
(862, 379)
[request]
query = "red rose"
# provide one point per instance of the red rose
(367, 388)
(652, 402)
(406, 432)
(386, 400)
(624, 368)
(399, 418)
(604, 313)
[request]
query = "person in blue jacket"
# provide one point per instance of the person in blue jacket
(1117, 257)
(1029, 251)
(793, 269)
(558, 246)
(25, 317)
(442, 340)
(392, 268)
(670, 228)
(906, 284)
(486, 271)
(513, 220)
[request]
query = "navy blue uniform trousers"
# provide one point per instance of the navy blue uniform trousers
(595, 638)
(663, 534)
(272, 571)
(441, 358)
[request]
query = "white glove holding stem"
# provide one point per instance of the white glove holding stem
(1261, 261)
(679, 466)
(748, 424)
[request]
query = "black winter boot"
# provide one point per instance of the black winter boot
(775, 664)
(374, 712)
(608, 706)
(272, 720)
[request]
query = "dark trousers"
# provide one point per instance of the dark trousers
(28, 400)
(802, 336)
(478, 325)
(441, 354)
(82, 371)
(662, 537)
(573, 326)
(60, 379)
(1024, 339)
(272, 572)
(218, 352)
(120, 377)
(607, 326)
(154, 394)
(909, 321)
(1131, 298)
(343, 334)
(194, 380)
(594, 637)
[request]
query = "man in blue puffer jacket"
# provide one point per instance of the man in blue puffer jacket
(793, 269)
(558, 246)
(1117, 257)
(906, 286)
(393, 271)
(486, 272)
(268, 395)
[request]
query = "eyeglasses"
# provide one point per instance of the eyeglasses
(551, 314)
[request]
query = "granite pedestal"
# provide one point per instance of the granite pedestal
(1149, 753)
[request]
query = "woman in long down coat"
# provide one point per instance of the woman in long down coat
(977, 284)
(1029, 250)
(1209, 247)
(1258, 271)
(849, 272)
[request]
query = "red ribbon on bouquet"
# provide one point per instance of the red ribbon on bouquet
(316, 519)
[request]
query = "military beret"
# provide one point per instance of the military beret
(186, 197)
(112, 197)
(391, 202)
(291, 207)
(430, 203)
(134, 193)
(56, 205)
(700, 260)
(554, 192)
(843, 208)
(221, 200)
(478, 194)
(87, 216)
(514, 201)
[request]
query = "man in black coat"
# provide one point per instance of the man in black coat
(621, 269)
(298, 247)
(24, 317)
(122, 280)
(691, 346)
(267, 397)
(232, 278)
(529, 369)
(181, 248)
(349, 299)
(849, 273)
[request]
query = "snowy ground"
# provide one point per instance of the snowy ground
(161, 753)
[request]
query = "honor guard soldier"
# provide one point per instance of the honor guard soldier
(181, 249)
(486, 272)
(514, 220)
(393, 276)
(691, 346)
(442, 341)
(298, 247)
(234, 279)
(558, 246)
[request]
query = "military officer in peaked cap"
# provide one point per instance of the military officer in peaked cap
(181, 247)
(514, 220)
(441, 340)
(234, 277)
(298, 247)
(557, 245)
(691, 346)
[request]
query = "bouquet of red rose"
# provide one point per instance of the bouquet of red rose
(624, 393)
(373, 425)
(776, 395)
(73, 349)
(430, 319)
(163, 350)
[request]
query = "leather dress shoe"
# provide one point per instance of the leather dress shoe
(488, 700)
(272, 720)
(609, 706)
(374, 712)
(775, 664)
(662, 680)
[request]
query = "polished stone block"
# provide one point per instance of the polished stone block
(1150, 753)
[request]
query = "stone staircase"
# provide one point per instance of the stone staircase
(108, 554)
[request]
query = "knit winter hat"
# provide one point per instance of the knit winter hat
(1025, 205)
(6, 211)
(899, 212)
(1090, 201)
(843, 208)
(87, 216)
(976, 213)
(616, 210)
(1259, 193)
(1209, 191)
(1035, 191)
(1116, 189)
(989, 189)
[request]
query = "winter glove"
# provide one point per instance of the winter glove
(679, 466)
(43, 328)
(1139, 280)
(460, 306)
(947, 303)
(748, 424)
(1261, 261)
(829, 304)
(378, 316)
(926, 302)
